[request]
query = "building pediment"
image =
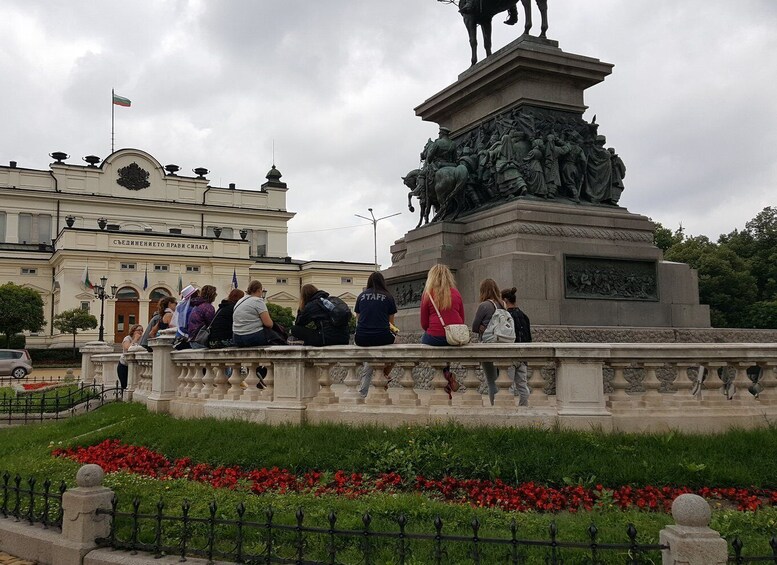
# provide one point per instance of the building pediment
(282, 296)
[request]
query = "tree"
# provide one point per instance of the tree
(70, 321)
(21, 309)
(725, 282)
(664, 238)
(282, 315)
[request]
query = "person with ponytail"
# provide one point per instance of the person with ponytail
(519, 370)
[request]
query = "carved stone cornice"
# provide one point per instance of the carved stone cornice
(549, 230)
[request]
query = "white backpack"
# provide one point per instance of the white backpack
(501, 328)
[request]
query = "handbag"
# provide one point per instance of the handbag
(276, 335)
(202, 336)
(455, 334)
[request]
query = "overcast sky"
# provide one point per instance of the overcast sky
(690, 107)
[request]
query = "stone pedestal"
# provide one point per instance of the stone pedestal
(528, 71)
(543, 249)
(574, 263)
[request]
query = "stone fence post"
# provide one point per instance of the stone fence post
(580, 386)
(81, 525)
(691, 541)
(164, 377)
(87, 352)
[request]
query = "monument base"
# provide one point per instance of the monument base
(573, 265)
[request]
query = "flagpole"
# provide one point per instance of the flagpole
(112, 111)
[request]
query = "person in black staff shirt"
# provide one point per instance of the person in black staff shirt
(375, 309)
(312, 311)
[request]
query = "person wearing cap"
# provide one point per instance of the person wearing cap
(180, 319)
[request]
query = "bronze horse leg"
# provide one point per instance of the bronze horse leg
(472, 30)
(543, 7)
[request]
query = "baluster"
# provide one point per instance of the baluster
(219, 381)
(619, 384)
(351, 394)
(504, 397)
(741, 382)
(207, 381)
(650, 383)
(469, 395)
(183, 371)
(196, 380)
(378, 393)
(267, 393)
(235, 391)
(682, 383)
(189, 378)
(767, 382)
(715, 381)
(325, 393)
(439, 397)
(251, 392)
(537, 384)
(408, 395)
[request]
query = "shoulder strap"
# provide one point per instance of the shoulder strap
(436, 310)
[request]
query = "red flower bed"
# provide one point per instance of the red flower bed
(113, 456)
(35, 386)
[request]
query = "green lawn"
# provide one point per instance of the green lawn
(552, 457)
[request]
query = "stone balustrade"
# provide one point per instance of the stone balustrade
(627, 387)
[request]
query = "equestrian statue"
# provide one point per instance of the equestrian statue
(481, 12)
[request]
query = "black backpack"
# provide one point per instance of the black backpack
(339, 312)
(522, 326)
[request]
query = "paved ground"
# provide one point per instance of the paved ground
(6, 559)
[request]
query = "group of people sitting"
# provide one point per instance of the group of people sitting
(441, 305)
(243, 320)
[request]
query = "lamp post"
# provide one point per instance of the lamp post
(375, 221)
(101, 295)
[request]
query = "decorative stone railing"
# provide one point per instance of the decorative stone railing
(629, 387)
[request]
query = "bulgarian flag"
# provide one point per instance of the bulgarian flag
(85, 282)
(121, 101)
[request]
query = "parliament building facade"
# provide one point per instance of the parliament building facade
(149, 231)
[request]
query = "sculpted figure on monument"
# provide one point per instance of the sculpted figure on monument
(618, 174)
(598, 174)
(522, 153)
(535, 177)
(480, 13)
(573, 165)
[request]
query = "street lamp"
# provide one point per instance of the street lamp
(101, 295)
(375, 221)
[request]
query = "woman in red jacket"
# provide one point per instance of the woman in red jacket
(440, 291)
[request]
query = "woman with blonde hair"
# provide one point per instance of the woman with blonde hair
(441, 295)
(440, 291)
(490, 300)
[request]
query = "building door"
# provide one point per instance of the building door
(153, 304)
(127, 310)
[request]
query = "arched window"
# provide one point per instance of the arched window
(158, 294)
(127, 293)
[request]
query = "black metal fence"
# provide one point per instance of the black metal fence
(60, 402)
(739, 558)
(19, 499)
(292, 540)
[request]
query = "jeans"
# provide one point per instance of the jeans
(491, 373)
(519, 372)
(122, 372)
(196, 345)
(250, 340)
(427, 339)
